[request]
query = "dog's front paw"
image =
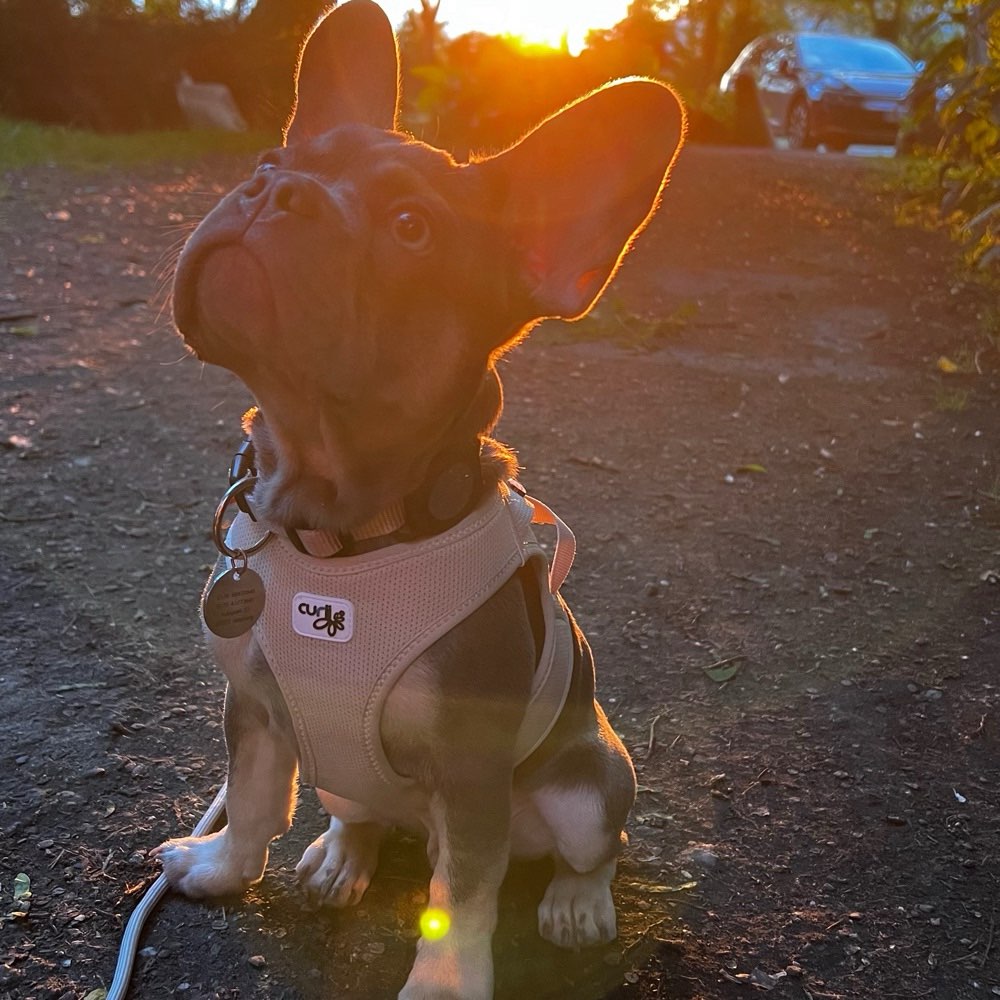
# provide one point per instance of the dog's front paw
(207, 866)
(577, 911)
(336, 869)
(450, 969)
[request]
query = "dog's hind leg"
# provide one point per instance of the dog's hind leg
(585, 811)
(259, 798)
(337, 867)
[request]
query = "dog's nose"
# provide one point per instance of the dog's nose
(284, 192)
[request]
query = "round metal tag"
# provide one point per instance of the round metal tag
(233, 602)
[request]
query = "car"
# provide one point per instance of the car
(814, 88)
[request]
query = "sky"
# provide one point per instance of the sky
(534, 20)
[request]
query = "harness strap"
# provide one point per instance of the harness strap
(565, 553)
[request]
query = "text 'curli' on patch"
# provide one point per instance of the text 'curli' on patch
(319, 617)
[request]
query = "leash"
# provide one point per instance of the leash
(153, 895)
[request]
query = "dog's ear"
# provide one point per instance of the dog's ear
(579, 187)
(348, 73)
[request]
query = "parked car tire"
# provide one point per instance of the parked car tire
(799, 127)
(837, 145)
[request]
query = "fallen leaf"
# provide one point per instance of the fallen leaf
(752, 468)
(29, 329)
(946, 365)
(98, 994)
(655, 888)
(722, 672)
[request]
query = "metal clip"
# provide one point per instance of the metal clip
(233, 495)
(241, 467)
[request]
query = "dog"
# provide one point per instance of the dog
(363, 285)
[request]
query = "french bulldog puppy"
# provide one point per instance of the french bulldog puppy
(411, 658)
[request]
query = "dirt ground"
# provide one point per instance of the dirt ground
(789, 568)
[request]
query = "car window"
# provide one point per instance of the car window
(774, 54)
(834, 52)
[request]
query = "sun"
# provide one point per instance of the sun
(558, 22)
(545, 22)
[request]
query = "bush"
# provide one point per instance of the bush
(966, 107)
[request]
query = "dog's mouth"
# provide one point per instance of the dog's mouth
(222, 302)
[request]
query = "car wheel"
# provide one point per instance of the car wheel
(799, 126)
(838, 145)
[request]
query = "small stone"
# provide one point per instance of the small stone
(701, 857)
(22, 759)
(257, 961)
(933, 695)
(45, 844)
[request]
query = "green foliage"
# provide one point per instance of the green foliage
(965, 181)
(27, 144)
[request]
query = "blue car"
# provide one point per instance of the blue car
(817, 88)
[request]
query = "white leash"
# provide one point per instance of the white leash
(130, 939)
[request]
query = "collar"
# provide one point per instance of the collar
(450, 491)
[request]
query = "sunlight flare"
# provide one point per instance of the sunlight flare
(552, 22)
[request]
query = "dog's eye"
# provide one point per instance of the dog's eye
(411, 230)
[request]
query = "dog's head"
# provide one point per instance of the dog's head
(362, 283)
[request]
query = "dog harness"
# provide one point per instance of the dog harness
(339, 633)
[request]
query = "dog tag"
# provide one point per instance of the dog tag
(233, 602)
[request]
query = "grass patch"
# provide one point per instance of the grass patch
(611, 320)
(992, 492)
(951, 400)
(26, 144)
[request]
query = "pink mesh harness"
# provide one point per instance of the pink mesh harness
(338, 633)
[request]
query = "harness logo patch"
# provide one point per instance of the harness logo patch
(318, 617)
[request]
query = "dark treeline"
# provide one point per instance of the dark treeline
(110, 67)
(113, 66)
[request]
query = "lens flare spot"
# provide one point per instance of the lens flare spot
(434, 924)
